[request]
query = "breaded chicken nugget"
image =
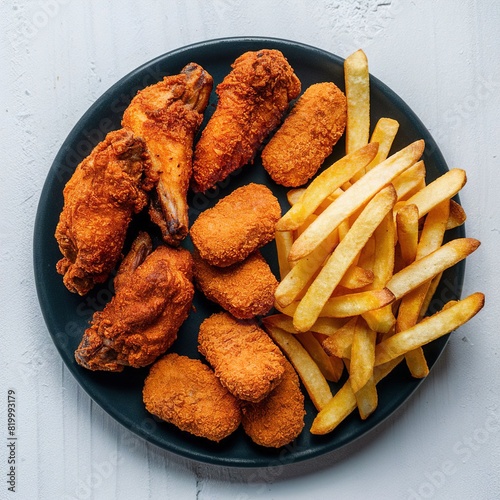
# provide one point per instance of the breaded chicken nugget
(243, 356)
(245, 289)
(252, 100)
(186, 393)
(307, 136)
(279, 418)
(237, 225)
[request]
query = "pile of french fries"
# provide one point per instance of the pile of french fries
(360, 255)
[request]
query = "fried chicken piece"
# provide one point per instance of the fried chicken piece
(105, 190)
(253, 98)
(279, 418)
(167, 115)
(186, 393)
(307, 136)
(245, 289)
(237, 225)
(243, 356)
(153, 297)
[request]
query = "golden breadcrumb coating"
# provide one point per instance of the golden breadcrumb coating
(237, 225)
(186, 393)
(245, 289)
(279, 418)
(307, 136)
(243, 356)
(252, 100)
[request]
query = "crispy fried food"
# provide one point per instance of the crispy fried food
(252, 101)
(153, 297)
(239, 224)
(186, 393)
(279, 418)
(106, 189)
(167, 115)
(244, 358)
(307, 136)
(245, 289)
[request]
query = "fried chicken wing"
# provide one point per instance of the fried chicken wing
(243, 356)
(167, 115)
(245, 289)
(154, 292)
(279, 418)
(253, 98)
(237, 225)
(186, 393)
(105, 190)
(299, 147)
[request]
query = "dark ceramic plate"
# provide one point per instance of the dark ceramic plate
(67, 314)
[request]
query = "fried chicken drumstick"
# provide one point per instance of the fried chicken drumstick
(253, 98)
(166, 116)
(153, 296)
(106, 189)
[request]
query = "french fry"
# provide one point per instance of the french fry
(429, 266)
(344, 402)
(324, 185)
(367, 398)
(383, 134)
(283, 240)
(443, 188)
(314, 381)
(457, 215)
(429, 329)
(356, 277)
(410, 181)
(339, 344)
(342, 257)
(352, 199)
(362, 355)
(357, 91)
(318, 354)
(293, 195)
(407, 229)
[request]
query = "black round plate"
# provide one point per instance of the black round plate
(67, 315)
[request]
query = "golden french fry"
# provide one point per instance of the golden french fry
(357, 91)
(324, 185)
(293, 195)
(342, 257)
(410, 181)
(407, 229)
(362, 355)
(429, 266)
(429, 329)
(328, 326)
(283, 240)
(344, 402)
(383, 134)
(356, 277)
(428, 297)
(314, 381)
(433, 230)
(367, 398)
(355, 197)
(318, 354)
(444, 187)
(339, 343)
(457, 215)
(338, 367)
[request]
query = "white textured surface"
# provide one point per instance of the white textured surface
(58, 56)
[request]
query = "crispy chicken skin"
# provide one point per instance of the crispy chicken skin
(279, 418)
(105, 190)
(243, 356)
(186, 393)
(237, 225)
(167, 115)
(253, 98)
(245, 289)
(153, 297)
(299, 147)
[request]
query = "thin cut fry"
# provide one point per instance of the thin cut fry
(339, 344)
(384, 133)
(407, 228)
(315, 383)
(367, 398)
(410, 181)
(283, 240)
(342, 257)
(429, 329)
(355, 197)
(362, 355)
(318, 354)
(457, 215)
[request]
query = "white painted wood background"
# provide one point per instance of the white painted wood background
(58, 56)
